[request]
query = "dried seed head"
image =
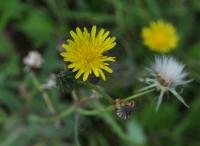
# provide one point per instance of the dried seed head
(124, 108)
(33, 59)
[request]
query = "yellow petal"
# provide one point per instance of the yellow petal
(74, 36)
(109, 42)
(86, 33)
(80, 72)
(65, 46)
(96, 72)
(93, 33)
(105, 58)
(104, 36)
(102, 75)
(107, 69)
(85, 76)
(109, 46)
(72, 65)
(100, 34)
(63, 54)
(79, 33)
(75, 69)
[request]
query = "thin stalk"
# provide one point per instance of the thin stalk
(140, 94)
(94, 112)
(63, 114)
(60, 116)
(99, 90)
(44, 94)
(76, 130)
(109, 108)
(74, 95)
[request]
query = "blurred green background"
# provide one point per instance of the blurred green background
(41, 25)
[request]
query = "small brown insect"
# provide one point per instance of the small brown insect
(124, 108)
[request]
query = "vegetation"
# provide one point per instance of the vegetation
(34, 112)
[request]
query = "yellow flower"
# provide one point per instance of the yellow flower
(160, 36)
(85, 53)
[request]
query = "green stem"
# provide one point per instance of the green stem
(94, 112)
(140, 94)
(99, 90)
(74, 95)
(44, 94)
(64, 114)
(154, 8)
(60, 116)
(109, 108)
(76, 130)
(85, 112)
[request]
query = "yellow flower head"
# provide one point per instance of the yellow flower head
(160, 36)
(85, 52)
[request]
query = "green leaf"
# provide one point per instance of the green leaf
(10, 64)
(10, 99)
(2, 116)
(37, 25)
(195, 5)
(164, 118)
(9, 9)
(115, 127)
(135, 132)
(190, 124)
(195, 51)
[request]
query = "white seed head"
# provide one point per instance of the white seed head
(51, 82)
(169, 71)
(33, 59)
(166, 73)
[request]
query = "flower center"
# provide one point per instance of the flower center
(90, 58)
(160, 38)
(163, 82)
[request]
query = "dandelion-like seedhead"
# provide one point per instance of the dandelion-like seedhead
(166, 73)
(33, 59)
(160, 36)
(124, 108)
(85, 53)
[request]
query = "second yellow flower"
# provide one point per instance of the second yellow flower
(160, 36)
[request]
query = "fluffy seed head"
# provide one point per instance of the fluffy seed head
(33, 59)
(166, 73)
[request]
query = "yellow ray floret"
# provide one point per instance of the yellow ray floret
(160, 36)
(85, 52)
